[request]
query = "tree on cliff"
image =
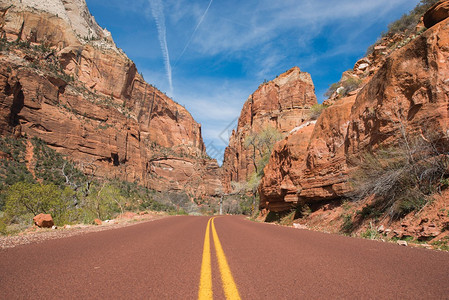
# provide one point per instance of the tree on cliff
(261, 145)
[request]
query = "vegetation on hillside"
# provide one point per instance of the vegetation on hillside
(343, 88)
(260, 145)
(407, 23)
(316, 110)
(49, 183)
(402, 178)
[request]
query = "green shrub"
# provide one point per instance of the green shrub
(409, 21)
(3, 226)
(442, 244)
(248, 204)
(287, 220)
(103, 202)
(371, 234)
(350, 85)
(369, 211)
(316, 110)
(24, 197)
(303, 211)
(348, 225)
(52, 167)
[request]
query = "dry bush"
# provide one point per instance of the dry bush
(404, 176)
(343, 87)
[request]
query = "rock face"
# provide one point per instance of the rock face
(409, 92)
(43, 221)
(309, 164)
(277, 189)
(283, 103)
(67, 83)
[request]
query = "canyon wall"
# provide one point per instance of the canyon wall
(283, 104)
(404, 89)
(64, 81)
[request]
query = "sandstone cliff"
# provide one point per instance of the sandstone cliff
(64, 81)
(404, 93)
(283, 104)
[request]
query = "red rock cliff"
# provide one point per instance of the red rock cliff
(408, 91)
(66, 82)
(282, 103)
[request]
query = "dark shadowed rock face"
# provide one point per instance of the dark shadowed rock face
(282, 103)
(437, 13)
(86, 99)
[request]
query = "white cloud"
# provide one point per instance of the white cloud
(265, 20)
(157, 10)
(262, 38)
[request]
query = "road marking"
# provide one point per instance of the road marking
(205, 291)
(229, 286)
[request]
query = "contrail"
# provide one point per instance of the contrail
(157, 9)
(194, 31)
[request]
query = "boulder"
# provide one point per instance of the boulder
(437, 13)
(43, 221)
(98, 222)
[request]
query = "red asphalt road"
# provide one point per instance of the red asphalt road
(162, 260)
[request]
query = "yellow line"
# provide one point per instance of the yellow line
(205, 290)
(229, 286)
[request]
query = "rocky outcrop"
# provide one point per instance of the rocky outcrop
(309, 164)
(277, 190)
(283, 103)
(86, 99)
(437, 13)
(52, 15)
(408, 93)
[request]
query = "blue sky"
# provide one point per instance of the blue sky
(211, 55)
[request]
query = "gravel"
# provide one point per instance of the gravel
(37, 235)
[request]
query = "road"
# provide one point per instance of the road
(176, 258)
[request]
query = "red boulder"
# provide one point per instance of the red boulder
(43, 220)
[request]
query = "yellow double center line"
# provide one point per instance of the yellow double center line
(229, 286)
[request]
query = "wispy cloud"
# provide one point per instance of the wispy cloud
(224, 49)
(157, 9)
(267, 19)
(194, 31)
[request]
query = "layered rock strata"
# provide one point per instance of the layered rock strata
(64, 81)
